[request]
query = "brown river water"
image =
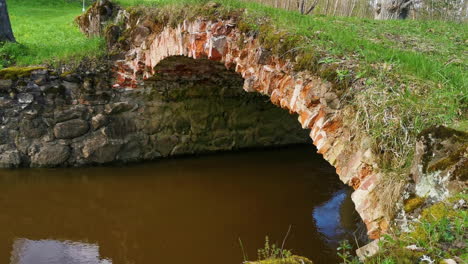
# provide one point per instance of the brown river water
(190, 210)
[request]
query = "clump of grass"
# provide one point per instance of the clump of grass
(273, 254)
(388, 192)
(46, 34)
(272, 251)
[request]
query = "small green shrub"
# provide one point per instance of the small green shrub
(272, 251)
(344, 252)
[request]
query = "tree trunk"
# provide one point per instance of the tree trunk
(336, 6)
(6, 33)
(326, 8)
(393, 9)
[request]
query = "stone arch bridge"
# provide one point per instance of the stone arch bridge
(199, 47)
(177, 89)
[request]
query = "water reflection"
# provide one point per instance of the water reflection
(191, 210)
(26, 251)
(334, 219)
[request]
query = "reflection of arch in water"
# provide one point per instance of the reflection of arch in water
(26, 251)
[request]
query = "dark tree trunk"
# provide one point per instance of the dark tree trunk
(393, 9)
(6, 33)
(301, 6)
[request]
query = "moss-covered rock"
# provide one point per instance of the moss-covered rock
(289, 260)
(17, 72)
(439, 233)
(396, 254)
(413, 203)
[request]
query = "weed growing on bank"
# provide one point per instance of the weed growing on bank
(271, 251)
(344, 253)
(274, 254)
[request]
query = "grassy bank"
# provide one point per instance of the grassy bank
(46, 33)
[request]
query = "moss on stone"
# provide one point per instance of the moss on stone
(438, 211)
(289, 260)
(307, 61)
(438, 233)
(329, 72)
(448, 161)
(397, 255)
(431, 216)
(413, 203)
(280, 42)
(245, 27)
(65, 74)
(443, 132)
(17, 72)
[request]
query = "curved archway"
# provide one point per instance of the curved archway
(203, 104)
(312, 98)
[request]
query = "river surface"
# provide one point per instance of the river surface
(191, 210)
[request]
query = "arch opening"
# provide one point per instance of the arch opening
(145, 43)
(203, 105)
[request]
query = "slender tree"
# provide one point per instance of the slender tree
(6, 33)
(302, 6)
(393, 9)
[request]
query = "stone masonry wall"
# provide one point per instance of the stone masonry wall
(48, 120)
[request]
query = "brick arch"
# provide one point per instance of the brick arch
(311, 97)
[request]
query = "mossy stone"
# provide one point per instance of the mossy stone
(413, 203)
(17, 72)
(290, 260)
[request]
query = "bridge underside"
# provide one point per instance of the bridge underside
(203, 105)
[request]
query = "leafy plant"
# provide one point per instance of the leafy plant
(327, 60)
(342, 74)
(344, 252)
(271, 251)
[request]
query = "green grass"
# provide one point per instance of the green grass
(46, 34)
